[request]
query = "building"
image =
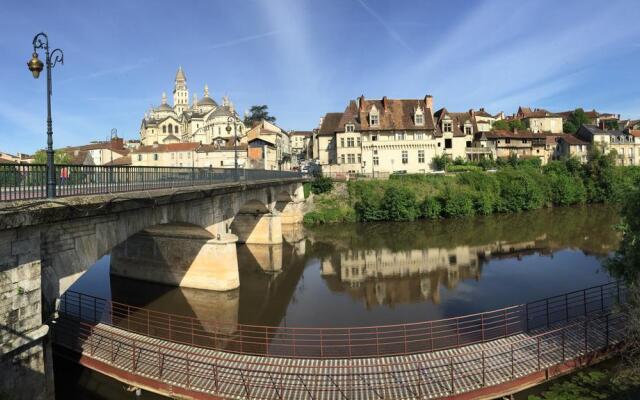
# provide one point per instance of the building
(19, 158)
(570, 146)
(269, 135)
(97, 153)
(199, 121)
(221, 155)
(540, 120)
(165, 155)
(626, 144)
(506, 144)
(301, 145)
(324, 146)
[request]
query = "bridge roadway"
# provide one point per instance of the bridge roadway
(484, 369)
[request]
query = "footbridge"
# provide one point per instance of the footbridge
(476, 356)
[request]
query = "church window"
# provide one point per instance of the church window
(177, 129)
(170, 128)
(164, 129)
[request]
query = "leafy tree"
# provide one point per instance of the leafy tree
(458, 203)
(431, 208)
(516, 124)
(500, 125)
(258, 113)
(612, 124)
(575, 120)
(321, 185)
(440, 162)
(59, 157)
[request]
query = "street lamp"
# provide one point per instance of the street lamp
(41, 41)
(230, 121)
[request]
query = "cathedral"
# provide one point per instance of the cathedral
(203, 121)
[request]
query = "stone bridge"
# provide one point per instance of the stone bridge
(45, 246)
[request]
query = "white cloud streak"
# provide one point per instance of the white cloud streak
(245, 39)
(390, 31)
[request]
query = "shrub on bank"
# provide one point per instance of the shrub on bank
(458, 203)
(431, 208)
(321, 185)
(399, 204)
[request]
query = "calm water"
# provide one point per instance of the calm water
(371, 274)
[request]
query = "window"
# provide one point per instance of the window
(524, 141)
(399, 135)
(447, 126)
(221, 163)
(170, 128)
(173, 155)
(164, 129)
(468, 143)
(419, 119)
(359, 159)
(155, 156)
(374, 138)
(405, 157)
(507, 140)
(375, 152)
(341, 158)
(139, 157)
(373, 119)
(421, 156)
(376, 160)
(358, 141)
(177, 129)
(341, 142)
(419, 136)
(448, 143)
(350, 142)
(349, 128)
(467, 130)
(351, 158)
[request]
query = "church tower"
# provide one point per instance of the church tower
(180, 93)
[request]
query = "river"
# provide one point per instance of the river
(373, 274)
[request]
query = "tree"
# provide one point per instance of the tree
(611, 124)
(440, 162)
(516, 124)
(500, 125)
(59, 157)
(257, 114)
(575, 121)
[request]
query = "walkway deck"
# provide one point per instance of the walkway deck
(208, 373)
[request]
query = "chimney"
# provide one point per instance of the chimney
(471, 112)
(428, 102)
(361, 103)
(385, 103)
(481, 109)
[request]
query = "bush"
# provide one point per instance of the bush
(431, 208)
(566, 190)
(458, 203)
(367, 209)
(440, 162)
(399, 204)
(463, 168)
(321, 185)
(519, 190)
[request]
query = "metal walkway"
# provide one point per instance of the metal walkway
(427, 375)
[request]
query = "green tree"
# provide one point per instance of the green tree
(612, 124)
(257, 114)
(399, 204)
(575, 121)
(440, 162)
(516, 124)
(500, 125)
(59, 157)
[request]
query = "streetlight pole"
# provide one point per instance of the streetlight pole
(41, 41)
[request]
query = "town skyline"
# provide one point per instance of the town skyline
(103, 85)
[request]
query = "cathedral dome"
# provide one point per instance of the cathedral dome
(207, 101)
(164, 107)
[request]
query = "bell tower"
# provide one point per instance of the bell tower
(180, 92)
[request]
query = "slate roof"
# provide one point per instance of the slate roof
(329, 124)
(394, 114)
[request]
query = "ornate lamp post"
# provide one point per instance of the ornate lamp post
(41, 41)
(230, 121)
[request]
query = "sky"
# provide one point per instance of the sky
(304, 58)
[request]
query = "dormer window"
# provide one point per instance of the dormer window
(418, 117)
(374, 117)
(350, 128)
(447, 126)
(468, 130)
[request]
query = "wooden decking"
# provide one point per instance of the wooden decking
(204, 372)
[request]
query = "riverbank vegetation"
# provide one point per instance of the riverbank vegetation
(515, 186)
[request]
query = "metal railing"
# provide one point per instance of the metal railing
(349, 342)
(28, 181)
(437, 376)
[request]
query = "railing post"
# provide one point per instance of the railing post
(538, 352)
(482, 329)
(95, 312)
(404, 334)
(566, 307)
(112, 352)
(377, 343)
(188, 375)
(584, 300)
(606, 343)
(601, 298)
(547, 311)
(266, 340)
(453, 389)
(586, 338)
(160, 362)
(133, 355)
(504, 317)
(321, 345)
(512, 366)
(457, 332)
(349, 334)
(484, 378)
(526, 317)
(563, 344)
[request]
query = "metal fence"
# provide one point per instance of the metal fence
(349, 342)
(28, 181)
(436, 376)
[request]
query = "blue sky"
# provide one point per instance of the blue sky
(304, 58)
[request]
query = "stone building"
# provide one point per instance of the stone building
(626, 144)
(301, 143)
(268, 134)
(199, 121)
(570, 146)
(540, 120)
(165, 155)
(219, 155)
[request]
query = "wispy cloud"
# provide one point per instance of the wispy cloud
(392, 32)
(119, 70)
(245, 39)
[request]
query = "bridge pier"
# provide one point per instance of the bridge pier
(292, 212)
(256, 228)
(179, 256)
(267, 256)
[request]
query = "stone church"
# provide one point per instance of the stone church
(203, 121)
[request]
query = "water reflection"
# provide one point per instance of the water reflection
(361, 274)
